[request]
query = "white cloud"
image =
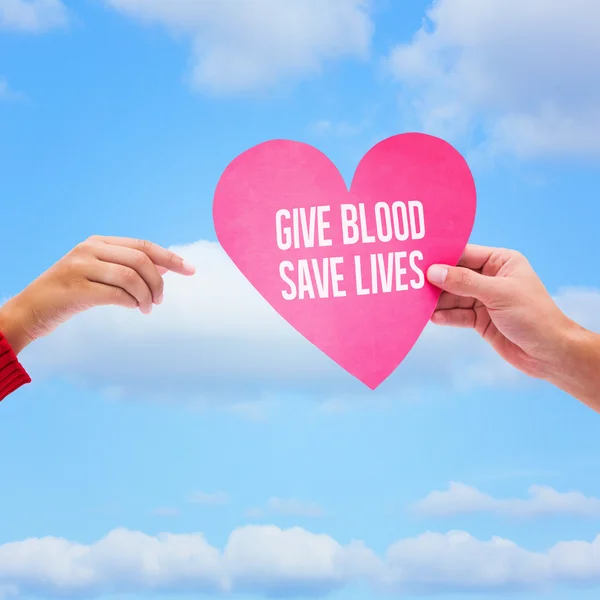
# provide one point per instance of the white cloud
(582, 305)
(32, 16)
(8, 94)
(215, 341)
(270, 561)
(210, 498)
(459, 562)
(239, 46)
(523, 71)
(29, 16)
(542, 501)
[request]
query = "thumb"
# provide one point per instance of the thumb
(464, 282)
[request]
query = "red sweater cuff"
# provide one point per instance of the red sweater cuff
(12, 373)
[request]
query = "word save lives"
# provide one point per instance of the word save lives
(375, 273)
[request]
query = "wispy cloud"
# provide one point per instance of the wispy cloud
(340, 129)
(460, 498)
(7, 93)
(250, 46)
(491, 68)
(32, 16)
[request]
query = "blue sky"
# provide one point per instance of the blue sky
(117, 117)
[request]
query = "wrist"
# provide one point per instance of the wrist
(576, 367)
(13, 324)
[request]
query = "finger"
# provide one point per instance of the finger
(465, 282)
(455, 317)
(101, 294)
(126, 278)
(448, 300)
(162, 270)
(160, 256)
(136, 260)
(475, 257)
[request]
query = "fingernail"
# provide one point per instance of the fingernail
(189, 267)
(160, 299)
(437, 274)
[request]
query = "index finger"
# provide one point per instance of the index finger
(160, 256)
(475, 257)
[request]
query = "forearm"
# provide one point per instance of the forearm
(13, 318)
(577, 369)
(12, 341)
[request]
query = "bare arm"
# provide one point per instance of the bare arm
(496, 292)
(98, 272)
(577, 369)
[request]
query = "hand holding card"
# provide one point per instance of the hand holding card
(346, 268)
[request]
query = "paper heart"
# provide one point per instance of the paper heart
(284, 215)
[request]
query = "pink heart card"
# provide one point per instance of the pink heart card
(347, 268)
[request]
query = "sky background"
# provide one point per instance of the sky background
(272, 472)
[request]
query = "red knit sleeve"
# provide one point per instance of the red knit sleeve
(12, 373)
